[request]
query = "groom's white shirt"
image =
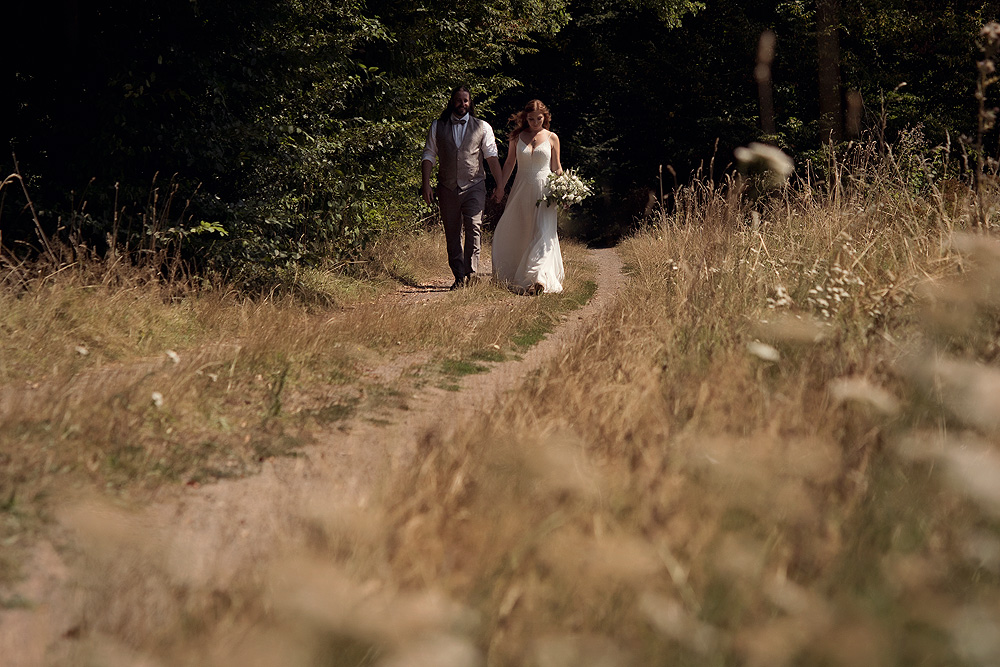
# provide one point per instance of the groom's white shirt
(458, 126)
(488, 146)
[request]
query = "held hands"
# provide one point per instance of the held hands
(501, 189)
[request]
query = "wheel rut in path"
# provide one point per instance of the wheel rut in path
(206, 536)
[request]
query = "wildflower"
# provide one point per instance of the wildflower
(577, 649)
(861, 390)
(670, 618)
(768, 162)
(974, 635)
(989, 118)
(991, 32)
(82, 351)
(173, 356)
(983, 550)
(763, 351)
(976, 473)
(781, 298)
(157, 399)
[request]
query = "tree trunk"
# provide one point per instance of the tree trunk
(765, 56)
(831, 121)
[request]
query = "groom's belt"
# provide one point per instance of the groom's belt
(479, 180)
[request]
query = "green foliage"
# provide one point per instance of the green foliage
(927, 45)
(291, 129)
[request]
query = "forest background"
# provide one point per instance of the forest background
(251, 136)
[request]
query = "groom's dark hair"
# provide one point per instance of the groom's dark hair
(455, 91)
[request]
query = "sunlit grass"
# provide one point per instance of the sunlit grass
(672, 496)
(119, 381)
(778, 446)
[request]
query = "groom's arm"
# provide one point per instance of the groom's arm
(491, 155)
(494, 164)
(427, 165)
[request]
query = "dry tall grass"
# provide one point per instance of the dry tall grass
(778, 447)
(738, 463)
(112, 379)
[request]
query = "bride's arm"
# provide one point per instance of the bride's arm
(555, 164)
(511, 161)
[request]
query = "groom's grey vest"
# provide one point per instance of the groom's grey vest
(465, 160)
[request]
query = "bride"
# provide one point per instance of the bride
(526, 254)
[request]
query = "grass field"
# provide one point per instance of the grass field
(111, 380)
(777, 447)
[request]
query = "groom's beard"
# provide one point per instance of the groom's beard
(460, 110)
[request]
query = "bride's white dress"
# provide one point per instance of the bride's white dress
(525, 244)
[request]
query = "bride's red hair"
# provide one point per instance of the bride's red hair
(520, 119)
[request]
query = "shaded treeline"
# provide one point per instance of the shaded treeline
(256, 133)
(261, 133)
(631, 93)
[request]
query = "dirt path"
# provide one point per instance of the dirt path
(207, 536)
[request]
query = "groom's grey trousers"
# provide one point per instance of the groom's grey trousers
(463, 212)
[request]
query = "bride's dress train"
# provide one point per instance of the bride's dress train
(525, 245)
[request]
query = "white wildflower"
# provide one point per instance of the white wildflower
(763, 351)
(435, 649)
(562, 650)
(991, 32)
(82, 351)
(769, 162)
(982, 550)
(861, 390)
(670, 618)
(969, 390)
(173, 356)
(976, 473)
(781, 298)
(834, 287)
(157, 399)
(975, 634)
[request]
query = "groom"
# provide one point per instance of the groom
(460, 143)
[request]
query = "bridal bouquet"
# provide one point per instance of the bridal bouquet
(565, 189)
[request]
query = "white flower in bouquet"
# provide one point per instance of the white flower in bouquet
(565, 189)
